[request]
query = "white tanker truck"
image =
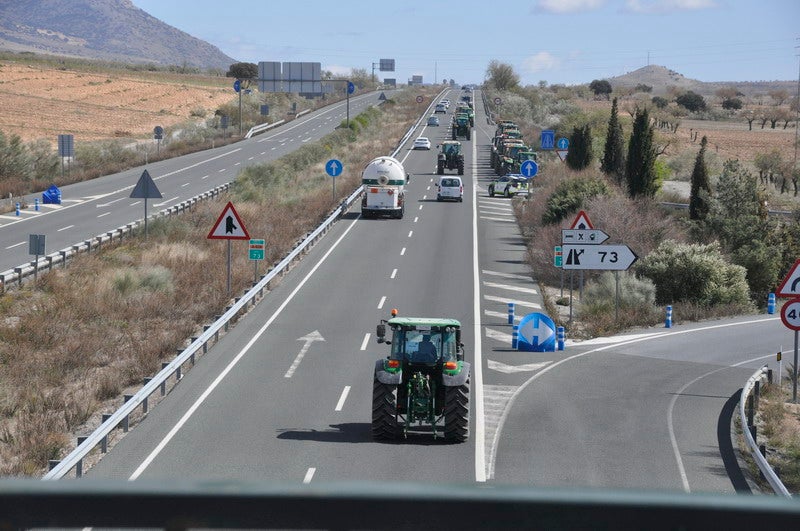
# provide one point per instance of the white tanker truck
(384, 180)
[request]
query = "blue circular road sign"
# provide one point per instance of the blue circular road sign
(237, 85)
(350, 87)
(537, 333)
(563, 143)
(334, 167)
(529, 168)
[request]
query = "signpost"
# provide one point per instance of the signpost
(529, 168)
(256, 254)
(420, 99)
(602, 257)
(498, 101)
(229, 227)
(145, 189)
(548, 139)
(334, 168)
(790, 313)
(537, 333)
(36, 248)
(585, 236)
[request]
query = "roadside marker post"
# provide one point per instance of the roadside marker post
(560, 337)
(514, 337)
(511, 313)
(771, 304)
(668, 321)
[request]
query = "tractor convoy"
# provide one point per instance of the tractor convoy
(423, 384)
(508, 149)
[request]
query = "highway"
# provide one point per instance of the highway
(94, 207)
(286, 395)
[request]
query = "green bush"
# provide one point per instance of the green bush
(599, 310)
(694, 273)
(570, 196)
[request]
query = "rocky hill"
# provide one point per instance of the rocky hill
(114, 30)
(662, 78)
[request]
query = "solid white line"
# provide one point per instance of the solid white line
(342, 398)
(15, 245)
(380, 304)
(185, 184)
(135, 203)
(394, 273)
(101, 205)
(309, 475)
(101, 215)
(402, 251)
(234, 361)
(477, 362)
(366, 341)
(65, 228)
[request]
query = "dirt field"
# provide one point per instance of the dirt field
(42, 102)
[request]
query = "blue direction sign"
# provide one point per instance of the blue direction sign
(529, 168)
(334, 167)
(563, 143)
(350, 87)
(537, 333)
(237, 85)
(548, 139)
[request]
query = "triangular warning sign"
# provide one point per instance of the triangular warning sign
(562, 154)
(790, 287)
(581, 222)
(382, 97)
(146, 188)
(229, 226)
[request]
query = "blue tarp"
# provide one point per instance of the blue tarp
(52, 196)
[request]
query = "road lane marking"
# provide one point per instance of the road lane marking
(416, 219)
(410, 233)
(204, 177)
(394, 273)
(505, 275)
(510, 288)
(101, 205)
(202, 398)
(501, 315)
(477, 365)
(105, 214)
(135, 203)
(382, 301)
(498, 336)
(402, 251)
(342, 398)
(165, 202)
(517, 302)
(15, 245)
(236, 163)
(511, 369)
(366, 338)
(185, 184)
(499, 219)
(222, 170)
(420, 207)
(308, 339)
(309, 475)
(65, 228)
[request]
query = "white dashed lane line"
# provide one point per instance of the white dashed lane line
(309, 475)
(403, 251)
(15, 245)
(65, 228)
(342, 398)
(366, 337)
(410, 233)
(381, 303)
(104, 214)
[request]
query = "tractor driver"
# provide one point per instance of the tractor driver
(426, 353)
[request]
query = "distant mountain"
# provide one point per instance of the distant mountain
(662, 78)
(114, 30)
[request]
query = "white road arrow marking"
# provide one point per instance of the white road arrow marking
(308, 338)
(510, 369)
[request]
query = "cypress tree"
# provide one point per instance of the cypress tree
(701, 189)
(613, 163)
(640, 170)
(580, 155)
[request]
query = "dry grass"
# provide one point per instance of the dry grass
(779, 422)
(73, 343)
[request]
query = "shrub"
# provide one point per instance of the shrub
(599, 310)
(570, 196)
(660, 102)
(691, 101)
(694, 273)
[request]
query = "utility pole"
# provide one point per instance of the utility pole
(797, 111)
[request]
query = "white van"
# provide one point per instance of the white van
(450, 187)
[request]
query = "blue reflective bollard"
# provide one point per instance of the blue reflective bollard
(36, 205)
(17, 210)
(668, 321)
(771, 303)
(515, 337)
(511, 313)
(560, 337)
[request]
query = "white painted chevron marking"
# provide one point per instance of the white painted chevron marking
(504, 275)
(510, 369)
(509, 287)
(505, 300)
(500, 315)
(498, 336)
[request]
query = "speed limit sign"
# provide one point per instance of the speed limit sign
(790, 314)
(419, 99)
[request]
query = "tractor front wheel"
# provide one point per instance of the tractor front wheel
(384, 411)
(456, 413)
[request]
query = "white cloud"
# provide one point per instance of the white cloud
(540, 61)
(663, 6)
(338, 70)
(568, 6)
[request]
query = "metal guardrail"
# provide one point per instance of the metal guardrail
(749, 429)
(263, 127)
(46, 263)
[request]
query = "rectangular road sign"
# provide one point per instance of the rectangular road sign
(586, 236)
(257, 248)
(601, 257)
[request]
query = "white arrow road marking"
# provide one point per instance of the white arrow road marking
(510, 369)
(499, 336)
(505, 275)
(505, 300)
(509, 287)
(308, 338)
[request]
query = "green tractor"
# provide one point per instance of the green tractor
(450, 157)
(461, 126)
(512, 159)
(500, 147)
(424, 382)
(466, 109)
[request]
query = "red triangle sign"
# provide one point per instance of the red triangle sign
(229, 226)
(790, 287)
(581, 222)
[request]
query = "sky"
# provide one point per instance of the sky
(557, 41)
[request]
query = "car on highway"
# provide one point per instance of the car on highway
(422, 142)
(450, 188)
(433, 120)
(509, 186)
(440, 107)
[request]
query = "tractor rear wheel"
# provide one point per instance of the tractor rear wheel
(454, 133)
(384, 411)
(456, 413)
(468, 134)
(461, 167)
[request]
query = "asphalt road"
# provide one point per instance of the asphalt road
(286, 395)
(101, 205)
